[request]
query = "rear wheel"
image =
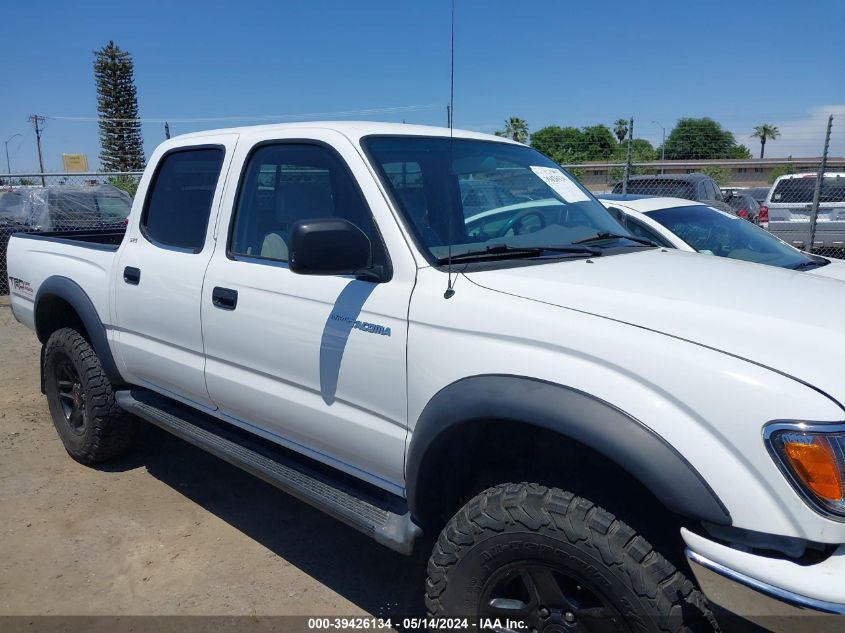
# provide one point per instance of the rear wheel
(90, 424)
(529, 558)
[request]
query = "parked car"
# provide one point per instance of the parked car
(744, 206)
(598, 429)
(58, 208)
(693, 227)
(699, 187)
(788, 206)
(758, 193)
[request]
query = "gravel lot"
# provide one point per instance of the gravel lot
(167, 529)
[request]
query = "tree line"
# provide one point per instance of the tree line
(690, 139)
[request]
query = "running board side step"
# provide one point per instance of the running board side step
(378, 514)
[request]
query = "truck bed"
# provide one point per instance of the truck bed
(101, 239)
(84, 258)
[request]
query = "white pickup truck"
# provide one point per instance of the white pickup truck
(602, 432)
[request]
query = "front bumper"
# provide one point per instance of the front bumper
(777, 594)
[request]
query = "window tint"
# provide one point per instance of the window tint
(285, 183)
(179, 202)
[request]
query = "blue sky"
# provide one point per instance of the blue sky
(568, 63)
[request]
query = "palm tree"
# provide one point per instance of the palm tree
(516, 129)
(621, 129)
(765, 132)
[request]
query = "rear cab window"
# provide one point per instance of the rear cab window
(801, 190)
(178, 204)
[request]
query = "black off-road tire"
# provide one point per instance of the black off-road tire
(100, 429)
(515, 526)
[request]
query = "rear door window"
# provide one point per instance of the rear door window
(178, 204)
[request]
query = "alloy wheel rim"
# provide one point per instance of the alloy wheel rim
(71, 395)
(544, 598)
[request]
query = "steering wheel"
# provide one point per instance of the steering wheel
(518, 219)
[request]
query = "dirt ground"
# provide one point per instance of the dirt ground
(167, 529)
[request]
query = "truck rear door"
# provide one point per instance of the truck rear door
(162, 264)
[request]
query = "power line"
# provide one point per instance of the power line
(268, 117)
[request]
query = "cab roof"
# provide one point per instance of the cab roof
(351, 129)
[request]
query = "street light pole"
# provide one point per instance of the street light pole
(8, 165)
(662, 148)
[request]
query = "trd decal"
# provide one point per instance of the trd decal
(20, 287)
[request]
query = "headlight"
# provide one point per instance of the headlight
(812, 456)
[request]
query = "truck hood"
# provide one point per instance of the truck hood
(789, 321)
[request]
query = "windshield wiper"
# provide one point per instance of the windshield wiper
(606, 235)
(810, 265)
(497, 250)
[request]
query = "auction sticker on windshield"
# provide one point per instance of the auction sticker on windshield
(561, 183)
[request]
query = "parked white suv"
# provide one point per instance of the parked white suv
(596, 428)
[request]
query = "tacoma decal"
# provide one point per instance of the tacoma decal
(370, 328)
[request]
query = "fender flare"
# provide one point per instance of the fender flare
(68, 290)
(608, 430)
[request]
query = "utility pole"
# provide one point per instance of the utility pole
(36, 120)
(8, 164)
(662, 148)
(166, 130)
(627, 173)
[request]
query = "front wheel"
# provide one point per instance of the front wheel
(529, 558)
(90, 424)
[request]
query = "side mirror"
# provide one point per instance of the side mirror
(618, 215)
(329, 246)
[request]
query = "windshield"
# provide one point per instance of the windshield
(493, 194)
(715, 232)
(87, 208)
(12, 207)
(65, 208)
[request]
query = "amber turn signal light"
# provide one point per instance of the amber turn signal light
(815, 465)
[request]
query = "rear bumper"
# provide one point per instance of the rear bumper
(807, 600)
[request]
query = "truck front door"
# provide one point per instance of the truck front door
(316, 363)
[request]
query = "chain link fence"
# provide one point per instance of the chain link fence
(33, 203)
